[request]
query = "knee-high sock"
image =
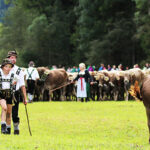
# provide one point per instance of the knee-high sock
(31, 97)
(16, 126)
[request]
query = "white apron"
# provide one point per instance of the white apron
(81, 88)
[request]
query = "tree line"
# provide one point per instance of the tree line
(67, 32)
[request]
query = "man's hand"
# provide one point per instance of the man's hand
(15, 80)
(25, 102)
(24, 95)
(91, 83)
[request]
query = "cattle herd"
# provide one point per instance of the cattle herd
(107, 85)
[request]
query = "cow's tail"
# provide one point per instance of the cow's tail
(135, 91)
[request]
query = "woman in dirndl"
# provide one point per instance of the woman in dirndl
(83, 83)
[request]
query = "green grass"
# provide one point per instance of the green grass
(81, 126)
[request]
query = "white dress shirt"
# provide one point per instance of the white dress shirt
(6, 85)
(20, 77)
(33, 72)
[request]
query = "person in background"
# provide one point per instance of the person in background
(53, 67)
(136, 66)
(114, 68)
(147, 66)
(12, 56)
(109, 68)
(90, 68)
(102, 67)
(94, 68)
(31, 76)
(69, 69)
(74, 69)
(127, 68)
(83, 83)
(120, 67)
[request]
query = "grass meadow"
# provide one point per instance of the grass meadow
(105, 125)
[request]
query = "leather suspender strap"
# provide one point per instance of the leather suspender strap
(0, 80)
(12, 88)
(18, 71)
(30, 77)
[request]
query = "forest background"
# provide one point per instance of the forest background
(67, 32)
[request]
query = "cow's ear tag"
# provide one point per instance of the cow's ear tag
(120, 73)
(46, 72)
(106, 78)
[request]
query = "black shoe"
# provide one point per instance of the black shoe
(3, 128)
(8, 131)
(16, 132)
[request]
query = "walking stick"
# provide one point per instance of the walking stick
(28, 121)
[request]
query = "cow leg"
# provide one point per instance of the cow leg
(100, 93)
(63, 93)
(50, 95)
(127, 96)
(42, 95)
(45, 95)
(116, 95)
(148, 120)
(111, 94)
(78, 99)
(75, 98)
(101, 97)
(122, 94)
(74, 94)
(105, 95)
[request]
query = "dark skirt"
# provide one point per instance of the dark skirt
(88, 89)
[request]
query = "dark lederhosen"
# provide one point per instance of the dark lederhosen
(30, 83)
(6, 94)
(15, 108)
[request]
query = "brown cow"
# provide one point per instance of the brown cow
(136, 74)
(145, 92)
(94, 89)
(71, 88)
(51, 79)
(115, 84)
(127, 83)
(103, 84)
(130, 76)
(144, 95)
